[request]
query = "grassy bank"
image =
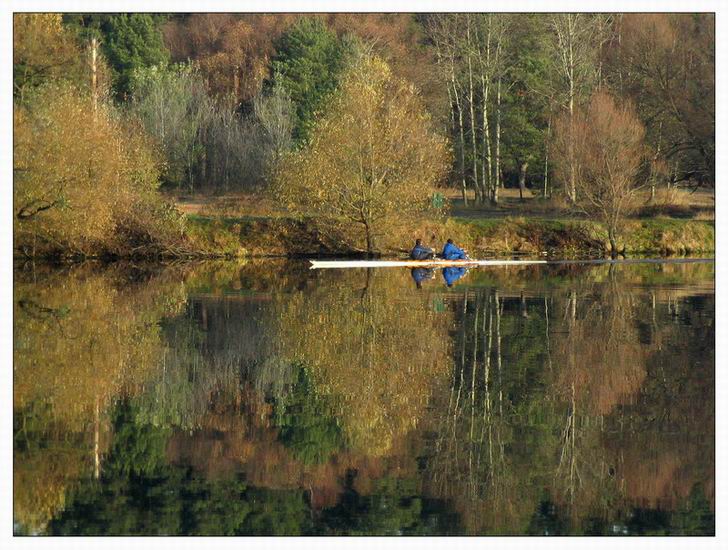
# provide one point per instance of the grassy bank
(214, 236)
(572, 238)
(253, 236)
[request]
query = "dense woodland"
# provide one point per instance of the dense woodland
(589, 107)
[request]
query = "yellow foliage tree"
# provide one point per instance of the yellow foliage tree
(42, 50)
(371, 161)
(80, 175)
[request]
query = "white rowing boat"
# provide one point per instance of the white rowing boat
(328, 264)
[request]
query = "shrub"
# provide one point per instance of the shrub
(84, 180)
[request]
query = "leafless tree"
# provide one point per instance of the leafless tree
(603, 145)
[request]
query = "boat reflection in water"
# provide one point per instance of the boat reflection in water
(268, 398)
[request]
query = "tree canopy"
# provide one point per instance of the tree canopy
(308, 63)
(372, 159)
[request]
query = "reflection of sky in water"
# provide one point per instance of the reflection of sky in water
(268, 398)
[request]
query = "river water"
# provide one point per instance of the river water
(267, 398)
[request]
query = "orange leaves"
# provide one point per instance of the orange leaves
(603, 146)
(233, 50)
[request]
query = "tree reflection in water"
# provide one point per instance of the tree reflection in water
(264, 398)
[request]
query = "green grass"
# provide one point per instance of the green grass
(215, 235)
(671, 236)
(257, 236)
(567, 237)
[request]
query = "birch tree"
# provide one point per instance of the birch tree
(275, 114)
(577, 39)
(173, 105)
(442, 30)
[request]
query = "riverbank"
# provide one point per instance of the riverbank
(280, 236)
(216, 236)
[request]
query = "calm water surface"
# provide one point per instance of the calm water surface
(266, 398)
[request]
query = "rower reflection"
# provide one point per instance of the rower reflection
(452, 274)
(420, 274)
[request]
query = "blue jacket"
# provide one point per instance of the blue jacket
(452, 252)
(420, 252)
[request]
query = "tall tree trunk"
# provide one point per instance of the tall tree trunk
(572, 161)
(369, 238)
(522, 179)
(487, 167)
(572, 92)
(656, 156)
(497, 175)
(453, 126)
(462, 138)
(94, 83)
(473, 128)
(612, 242)
(546, 160)
(487, 159)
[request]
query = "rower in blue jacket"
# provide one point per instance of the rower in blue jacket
(421, 252)
(452, 252)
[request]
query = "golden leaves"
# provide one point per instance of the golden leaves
(90, 165)
(372, 159)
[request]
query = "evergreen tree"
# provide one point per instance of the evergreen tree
(129, 42)
(308, 63)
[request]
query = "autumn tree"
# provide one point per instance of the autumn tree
(399, 39)
(603, 144)
(666, 64)
(233, 50)
(372, 159)
(576, 39)
(42, 50)
(80, 175)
